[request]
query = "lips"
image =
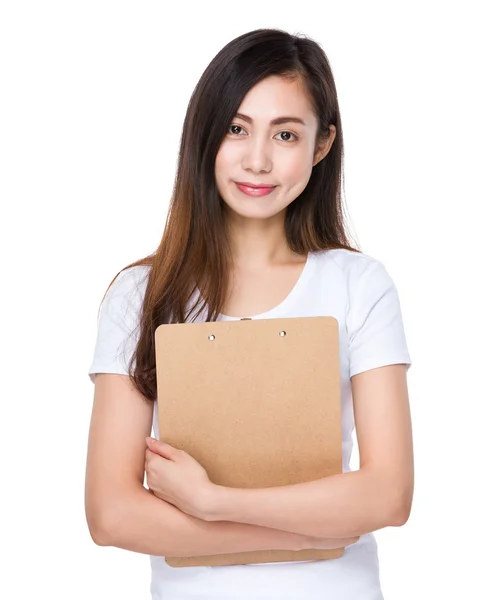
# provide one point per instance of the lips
(255, 190)
(254, 185)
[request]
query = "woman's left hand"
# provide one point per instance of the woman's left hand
(176, 477)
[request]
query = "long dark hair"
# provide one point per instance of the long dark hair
(194, 252)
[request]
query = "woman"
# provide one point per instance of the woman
(255, 229)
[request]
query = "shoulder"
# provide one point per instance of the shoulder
(132, 276)
(353, 267)
(129, 282)
(125, 294)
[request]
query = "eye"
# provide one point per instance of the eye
(289, 133)
(233, 126)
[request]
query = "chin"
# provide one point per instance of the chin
(254, 212)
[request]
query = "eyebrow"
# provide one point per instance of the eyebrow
(278, 121)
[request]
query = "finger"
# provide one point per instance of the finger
(149, 456)
(161, 448)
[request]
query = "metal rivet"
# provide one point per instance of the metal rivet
(283, 333)
(211, 337)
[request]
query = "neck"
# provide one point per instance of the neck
(259, 243)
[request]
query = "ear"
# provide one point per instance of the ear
(324, 146)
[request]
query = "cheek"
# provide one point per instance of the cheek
(296, 171)
(225, 157)
(222, 168)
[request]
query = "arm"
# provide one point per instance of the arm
(378, 495)
(121, 512)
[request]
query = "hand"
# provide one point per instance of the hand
(329, 543)
(176, 477)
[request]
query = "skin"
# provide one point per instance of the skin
(380, 493)
(377, 495)
(261, 153)
(120, 511)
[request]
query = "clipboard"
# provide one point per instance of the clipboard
(257, 404)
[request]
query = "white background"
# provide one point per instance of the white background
(92, 103)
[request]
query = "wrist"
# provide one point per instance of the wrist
(210, 502)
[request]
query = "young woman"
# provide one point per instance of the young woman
(255, 229)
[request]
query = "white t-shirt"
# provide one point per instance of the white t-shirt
(357, 290)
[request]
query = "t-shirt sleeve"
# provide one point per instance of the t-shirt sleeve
(375, 325)
(118, 323)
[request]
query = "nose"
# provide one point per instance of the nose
(257, 157)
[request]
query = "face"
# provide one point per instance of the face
(259, 151)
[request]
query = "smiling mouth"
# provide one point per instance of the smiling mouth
(254, 185)
(255, 190)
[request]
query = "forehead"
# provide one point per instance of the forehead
(275, 97)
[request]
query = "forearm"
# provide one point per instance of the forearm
(344, 505)
(144, 523)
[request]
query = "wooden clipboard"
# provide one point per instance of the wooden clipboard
(257, 403)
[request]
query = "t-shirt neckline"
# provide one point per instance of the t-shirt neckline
(292, 296)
